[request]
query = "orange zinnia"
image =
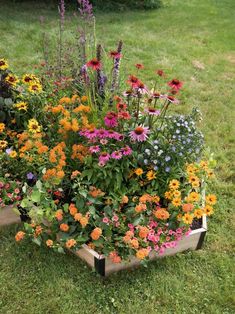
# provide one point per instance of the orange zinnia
(96, 233)
(64, 227)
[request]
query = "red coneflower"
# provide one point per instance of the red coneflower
(95, 64)
(156, 95)
(121, 106)
(139, 66)
(133, 81)
(172, 99)
(160, 73)
(175, 84)
(115, 54)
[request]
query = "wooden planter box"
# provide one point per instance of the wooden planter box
(8, 216)
(104, 266)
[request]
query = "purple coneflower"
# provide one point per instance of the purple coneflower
(90, 134)
(104, 157)
(116, 155)
(139, 134)
(110, 119)
(94, 149)
(102, 133)
(126, 150)
(152, 111)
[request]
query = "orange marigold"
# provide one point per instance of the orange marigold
(64, 227)
(49, 243)
(162, 214)
(96, 233)
(143, 232)
(19, 236)
(70, 243)
(142, 253)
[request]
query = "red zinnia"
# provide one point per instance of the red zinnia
(115, 54)
(175, 84)
(139, 66)
(94, 64)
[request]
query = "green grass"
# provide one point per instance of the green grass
(36, 281)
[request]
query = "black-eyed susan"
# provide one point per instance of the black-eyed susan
(191, 169)
(208, 210)
(211, 199)
(12, 79)
(168, 195)
(198, 213)
(193, 197)
(174, 184)
(29, 79)
(139, 171)
(176, 201)
(34, 126)
(193, 179)
(187, 219)
(3, 144)
(3, 64)
(151, 175)
(35, 88)
(21, 106)
(2, 127)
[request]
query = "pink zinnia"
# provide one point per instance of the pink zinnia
(152, 111)
(115, 218)
(104, 157)
(175, 84)
(139, 134)
(116, 155)
(105, 220)
(110, 119)
(126, 151)
(94, 64)
(94, 149)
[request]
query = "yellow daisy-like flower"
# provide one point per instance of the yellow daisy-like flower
(193, 179)
(3, 64)
(13, 154)
(139, 171)
(196, 184)
(156, 199)
(211, 199)
(203, 164)
(198, 213)
(3, 144)
(208, 210)
(176, 193)
(176, 201)
(174, 184)
(187, 219)
(193, 197)
(168, 195)
(191, 169)
(151, 175)
(35, 88)
(21, 106)
(2, 127)
(12, 79)
(29, 79)
(34, 126)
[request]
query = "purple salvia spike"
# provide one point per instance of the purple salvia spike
(116, 67)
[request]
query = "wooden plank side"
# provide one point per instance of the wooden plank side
(8, 216)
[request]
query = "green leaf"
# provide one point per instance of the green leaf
(37, 241)
(36, 196)
(61, 250)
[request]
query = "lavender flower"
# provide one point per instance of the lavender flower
(85, 9)
(116, 70)
(30, 176)
(61, 9)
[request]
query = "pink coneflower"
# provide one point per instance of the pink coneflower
(139, 134)
(94, 149)
(156, 95)
(90, 134)
(124, 115)
(133, 81)
(102, 133)
(104, 157)
(95, 64)
(141, 88)
(160, 73)
(112, 134)
(152, 111)
(126, 150)
(115, 54)
(172, 99)
(175, 84)
(116, 155)
(121, 106)
(110, 119)
(139, 66)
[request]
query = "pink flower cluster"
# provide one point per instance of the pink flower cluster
(99, 134)
(118, 154)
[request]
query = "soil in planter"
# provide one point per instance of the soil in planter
(197, 224)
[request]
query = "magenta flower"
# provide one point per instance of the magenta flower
(175, 84)
(126, 150)
(94, 149)
(139, 134)
(90, 134)
(116, 155)
(102, 133)
(110, 119)
(105, 220)
(104, 157)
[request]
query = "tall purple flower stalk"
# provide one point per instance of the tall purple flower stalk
(116, 68)
(101, 78)
(85, 9)
(61, 9)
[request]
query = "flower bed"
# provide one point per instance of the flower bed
(109, 167)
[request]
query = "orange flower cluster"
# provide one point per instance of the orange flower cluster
(19, 236)
(79, 152)
(94, 192)
(96, 233)
(162, 214)
(70, 243)
(142, 253)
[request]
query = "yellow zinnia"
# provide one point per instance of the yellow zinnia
(187, 219)
(211, 199)
(2, 127)
(198, 213)
(151, 175)
(176, 201)
(13, 154)
(174, 184)
(21, 106)
(139, 171)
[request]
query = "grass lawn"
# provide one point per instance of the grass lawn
(193, 41)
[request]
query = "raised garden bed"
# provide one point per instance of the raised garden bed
(104, 266)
